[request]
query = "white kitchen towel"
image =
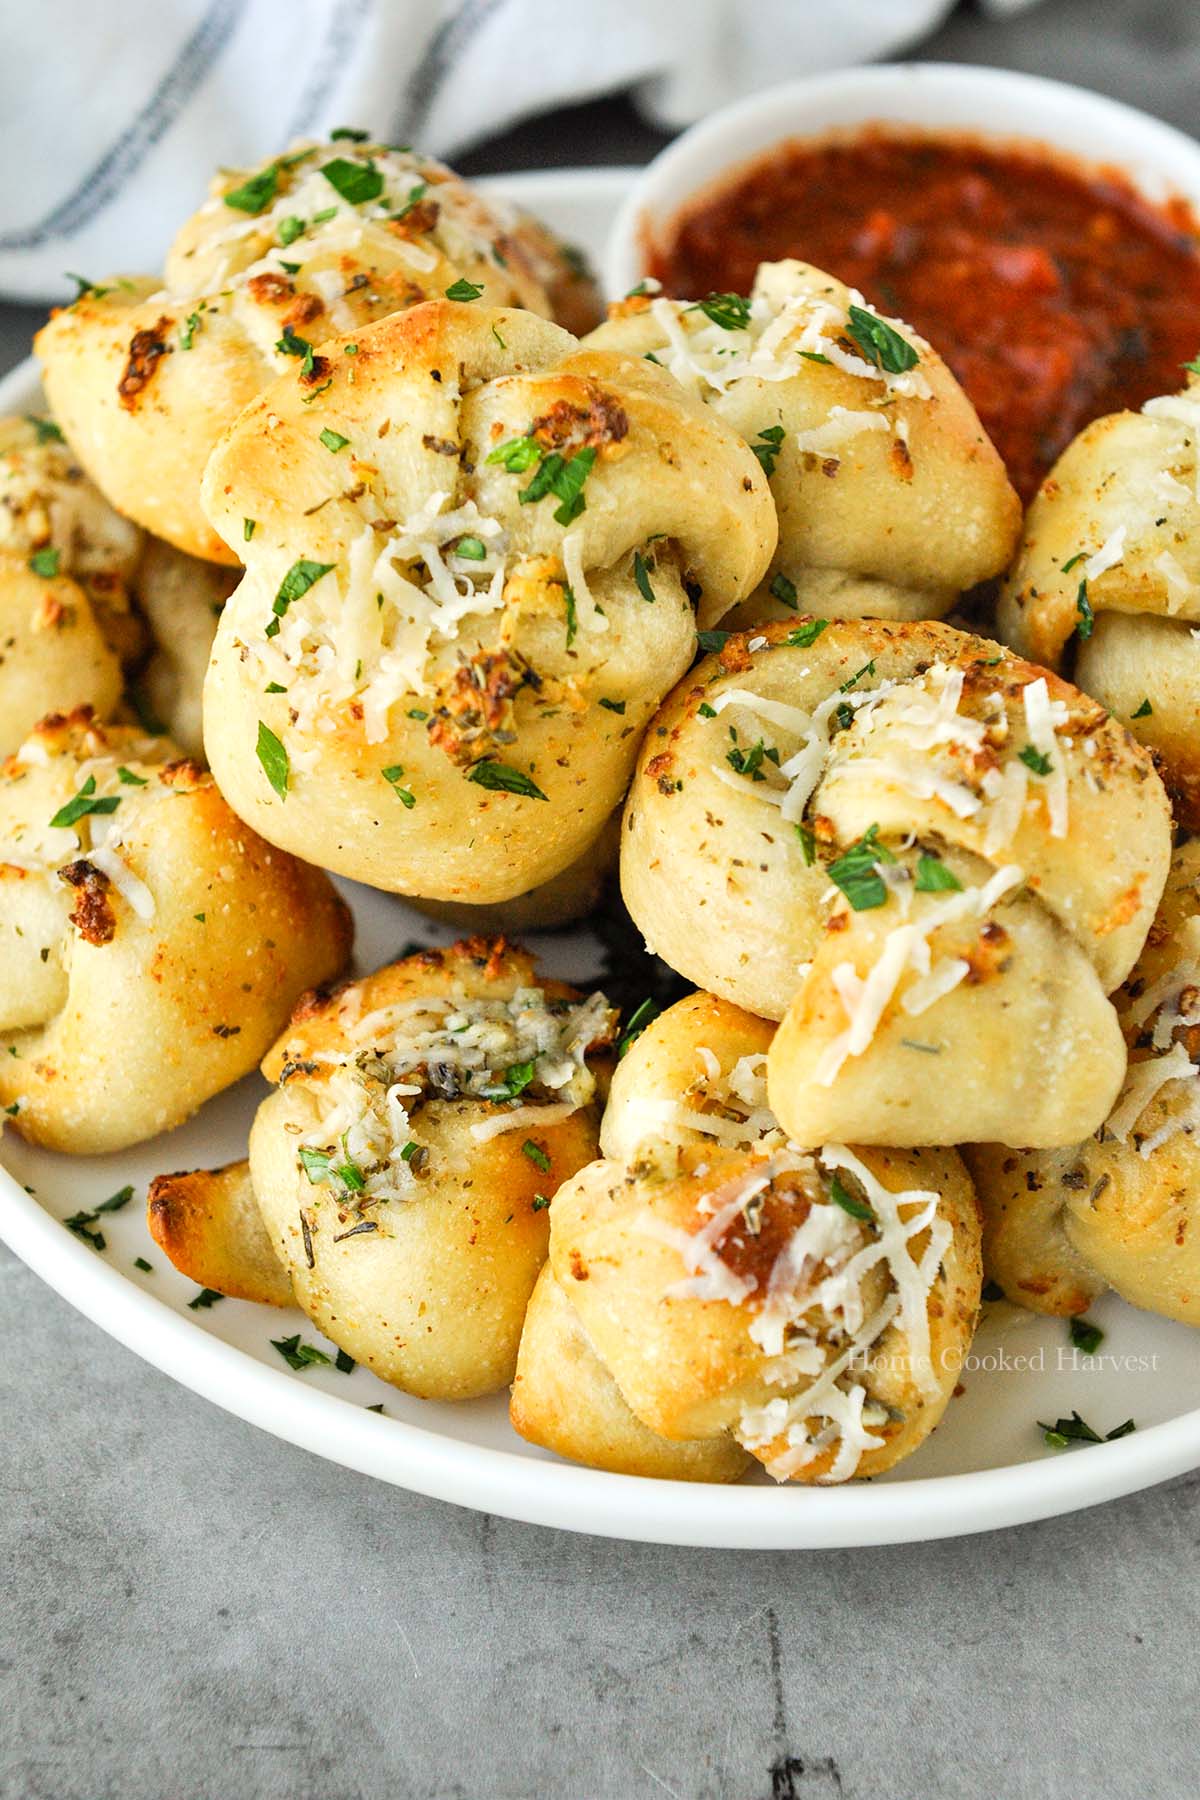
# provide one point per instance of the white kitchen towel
(114, 112)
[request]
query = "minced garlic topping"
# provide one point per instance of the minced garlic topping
(527, 1055)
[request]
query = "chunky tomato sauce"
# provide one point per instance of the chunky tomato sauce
(1055, 295)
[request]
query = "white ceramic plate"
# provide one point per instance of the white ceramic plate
(985, 1466)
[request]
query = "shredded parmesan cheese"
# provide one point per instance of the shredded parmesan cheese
(865, 1001)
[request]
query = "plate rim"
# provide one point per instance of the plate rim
(553, 1493)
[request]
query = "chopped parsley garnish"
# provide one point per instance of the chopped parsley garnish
(501, 779)
(784, 590)
(80, 1224)
(1193, 367)
(345, 1365)
(1144, 710)
(856, 874)
(300, 1356)
(1077, 1431)
(248, 528)
(291, 345)
(129, 778)
(47, 431)
(730, 311)
(321, 1165)
(1085, 618)
(536, 1155)
(858, 1209)
(84, 286)
(749, 762)
(85, 801)
(813, 356)
(564, 478)
(355, 182)
(334, 441)
(712, 640)
(517, 1078)
(1035, 760)
(204, 1299)
(517, 455)
(351, 133)
(706, 711)
(139, 1262)
(274, 760)
(300, 577)
(1072, 560)
(540, 1202)
(770, 442)
(116, 1201)
(572, 613)
(1085, 1336)
(642, 578)
(395, 780)
(880, 342)
(641, 1016)
(613, 706)
(471, 549)
(868, 668)
(45, 562)
(187, 334)
(808, 844)
(463, 290)
(806, 634)
(933, 877)
(256, 194)
(290, 229)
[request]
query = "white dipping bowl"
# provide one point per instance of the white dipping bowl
(993, 105)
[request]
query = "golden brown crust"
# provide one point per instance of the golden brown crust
(1116, 1209)
(926, 732)
(510, 704)
(152, 945)
(1107, 578)
(890, 522)
(207, 1221)
(671, 1274)
(145, 374)
(426, 1280)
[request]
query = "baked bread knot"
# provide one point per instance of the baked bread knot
(146, 373)
(891, 497)
(423, 1118)
(474, 563)
(1107, 582)
(152, 945)
(930, 859)
(88, 603)
(730, 1289)
(1117, 1209)
(67, 571)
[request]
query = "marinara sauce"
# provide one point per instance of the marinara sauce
(1055, 295)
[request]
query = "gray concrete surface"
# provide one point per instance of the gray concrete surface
(193, 1611)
